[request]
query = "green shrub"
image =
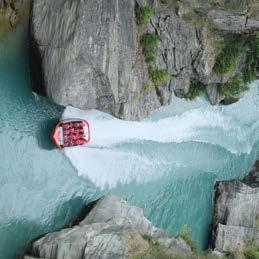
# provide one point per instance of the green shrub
(147, 237)
(184, 233)
(252, 59)
(220, 44)
(156, 250)
(233, 88)
(149, 42)
(254, 41)
(249, 70)
(143, 14)
(251, 252)
(196, 88)
(231, 50)
(158, 77)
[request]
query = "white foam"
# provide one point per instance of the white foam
(233, 127)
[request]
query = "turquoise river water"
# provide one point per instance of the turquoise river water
(166, 164)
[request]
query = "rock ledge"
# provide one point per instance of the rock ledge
(111, 229)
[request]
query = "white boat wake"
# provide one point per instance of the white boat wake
(234, 128)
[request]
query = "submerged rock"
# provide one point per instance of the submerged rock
(11, 12)
(236, 212)
(110, 229)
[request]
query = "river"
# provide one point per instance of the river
(166, 164)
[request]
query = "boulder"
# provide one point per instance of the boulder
(110, 229)
(236, 212)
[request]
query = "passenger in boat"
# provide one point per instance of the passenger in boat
(79, 130)
(76, 124)
(66, 126)
(66, 132)
(80, 142)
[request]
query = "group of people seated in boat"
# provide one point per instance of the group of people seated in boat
(73, 133)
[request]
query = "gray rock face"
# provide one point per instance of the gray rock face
(183, 51)
(232, 237)
(236, 212)
(88, 56)
(87, 53)
(234, 22)
(112, 229)
(187, 48)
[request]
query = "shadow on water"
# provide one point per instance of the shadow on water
(44, 132)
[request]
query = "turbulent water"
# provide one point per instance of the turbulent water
(166, 164)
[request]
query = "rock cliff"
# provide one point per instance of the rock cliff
(88, 53)
(236, 212)
(109, 228)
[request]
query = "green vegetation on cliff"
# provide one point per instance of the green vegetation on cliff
(252, 59)
(196, 88)
(158, 77)
(251, 252)
(143, 14)
(185, 234)
(234, 87)
(232, 48)
(149, 42)
(156, 250)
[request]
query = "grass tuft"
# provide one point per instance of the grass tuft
(185, 234)
(252, 59)
(251, 252)
(149, 42)
(157, 251)
(143, 14)
(158, 77)
(231, 49)
(234, 87)
(196, 88)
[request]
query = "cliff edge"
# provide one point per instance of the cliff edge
(236, 213)
(109, 228)
(127, 57)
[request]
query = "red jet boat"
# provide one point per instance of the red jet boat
(70, 133)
